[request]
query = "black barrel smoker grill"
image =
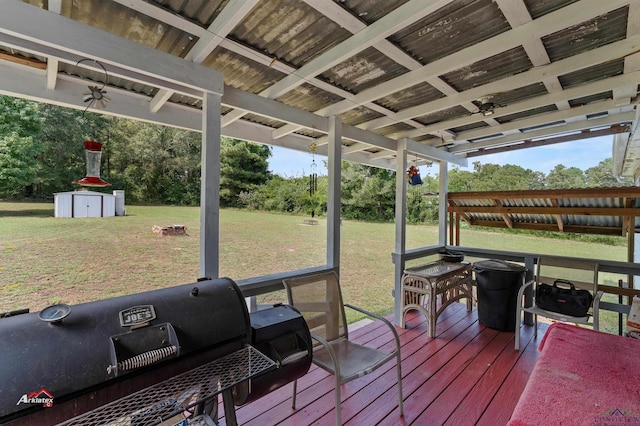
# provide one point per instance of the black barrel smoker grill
(162, 356)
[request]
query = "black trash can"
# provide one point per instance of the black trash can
(498, 284)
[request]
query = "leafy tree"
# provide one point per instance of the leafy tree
(155, 164)
(562, 177)
(460, 180)
(420, 208)
(243, 166)
(422, 201)
(19, 125)
(493, 177)
(368, 193)
(602, 176)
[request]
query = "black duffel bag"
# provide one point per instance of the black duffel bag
(567, 301)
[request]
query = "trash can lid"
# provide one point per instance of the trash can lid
(498, 265)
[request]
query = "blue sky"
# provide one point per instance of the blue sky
(582, 154)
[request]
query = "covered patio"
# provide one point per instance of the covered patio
(469, 374)
(383, 84)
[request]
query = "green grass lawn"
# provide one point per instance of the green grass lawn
(45, 260)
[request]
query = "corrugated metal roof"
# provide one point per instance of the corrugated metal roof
(460, 24)
(585, 36)
(593, 210)
(462, 70)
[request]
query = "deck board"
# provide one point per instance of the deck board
(502, 405)
(469, 374)
(492, 376)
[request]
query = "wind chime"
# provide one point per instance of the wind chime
(313, 178)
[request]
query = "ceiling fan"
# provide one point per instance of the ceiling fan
(485, 106)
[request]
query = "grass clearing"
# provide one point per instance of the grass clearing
(45, 260)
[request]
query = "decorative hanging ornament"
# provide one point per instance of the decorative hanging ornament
(413, 176)
(93, 155)
(96, 96)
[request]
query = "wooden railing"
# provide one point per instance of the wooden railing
(622, 274)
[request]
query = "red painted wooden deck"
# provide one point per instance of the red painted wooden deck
(469, 374)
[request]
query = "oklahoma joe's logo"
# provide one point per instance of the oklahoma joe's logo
(42, 396)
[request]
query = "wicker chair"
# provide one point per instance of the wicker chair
(319, 299)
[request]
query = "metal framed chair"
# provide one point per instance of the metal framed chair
(319, 300)
(583, 273)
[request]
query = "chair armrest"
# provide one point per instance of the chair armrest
(524, 288)
(319, 339)
(380, 318)
(332, 353)
(364, 311)
(596, 299)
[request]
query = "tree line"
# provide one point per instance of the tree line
(42, 152)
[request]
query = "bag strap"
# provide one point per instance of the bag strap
(565, 282)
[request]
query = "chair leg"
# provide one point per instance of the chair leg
(295, 389)
(518, 318)
(338, 405)
(518, 321)
(399, 368)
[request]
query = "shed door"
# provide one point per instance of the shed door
(87, 206)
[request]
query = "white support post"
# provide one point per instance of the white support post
(401, 227)
(334, 191)
(443, 216)
(210, 186)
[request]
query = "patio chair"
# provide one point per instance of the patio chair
(319, 299)
(582, 273)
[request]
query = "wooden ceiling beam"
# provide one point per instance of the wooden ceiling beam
(545, 132)
(63, 37)
(573, 14)
(466, 218)
(559, 221)
(18, 59)
(220, 27)
(583, 134)
(616, 192)
(505, 217)
(585, 211)
(580, 91)
(549, 227)
(399, 18)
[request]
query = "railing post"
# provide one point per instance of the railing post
(401, 228)
(529, 263)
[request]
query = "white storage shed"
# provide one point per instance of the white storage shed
(84, 204)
